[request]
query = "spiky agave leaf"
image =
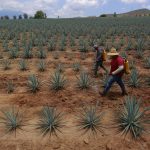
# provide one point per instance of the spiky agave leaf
(57, 81)
(130, 119)
(33, 83)
(12, 121)
(89, 120)
(84, 81)
(50, 121)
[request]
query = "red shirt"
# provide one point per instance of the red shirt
(115, 63)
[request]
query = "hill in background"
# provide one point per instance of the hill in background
(138, 12)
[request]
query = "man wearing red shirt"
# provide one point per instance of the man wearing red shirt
(116, 72)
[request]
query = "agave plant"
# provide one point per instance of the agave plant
(83, 55)
(132, 64)
(41, 54)
(76, 66)
(27, 53)
(56, 55)
(10, 87)
(148, 81)
(60, 68)
(6, 64)
(12, 120)
(84, 81)
(135, 79)
(57, 81)
(90, 120)
(41, 66)
(23, 65)
(130, 119)
(124, 55)
(140, 46)
(122, 42)
(129, 45)
(33, 83)
(13, 53)
(83, 46)
(50, 121)
(147, 62)
(51, 45)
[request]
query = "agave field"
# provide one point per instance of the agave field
(49, 97)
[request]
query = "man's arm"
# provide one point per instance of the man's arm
(118, 70)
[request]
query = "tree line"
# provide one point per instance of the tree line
(38, 15)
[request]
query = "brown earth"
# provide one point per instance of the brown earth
(70, 101)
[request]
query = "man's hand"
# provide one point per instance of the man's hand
(113, 73)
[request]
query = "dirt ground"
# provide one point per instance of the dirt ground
(70, 101)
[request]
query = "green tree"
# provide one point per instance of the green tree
(20, 17)
(14, 17)
(103, 15)
(25, 16)
(115, 14)
(40, 15)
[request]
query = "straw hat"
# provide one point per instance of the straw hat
(113, 52)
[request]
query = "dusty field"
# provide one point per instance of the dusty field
(70, 100)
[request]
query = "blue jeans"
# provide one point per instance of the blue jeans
(112, 79)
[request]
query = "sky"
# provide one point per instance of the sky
(70, 8)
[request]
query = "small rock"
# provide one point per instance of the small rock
(109, 146)
(86, 141)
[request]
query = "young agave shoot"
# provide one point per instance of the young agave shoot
(33, 83)
(89, 120)
(50, 121)
(13, 121)
(57, 81)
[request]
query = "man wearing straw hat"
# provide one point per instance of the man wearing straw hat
(116, 72)
(99, 60)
